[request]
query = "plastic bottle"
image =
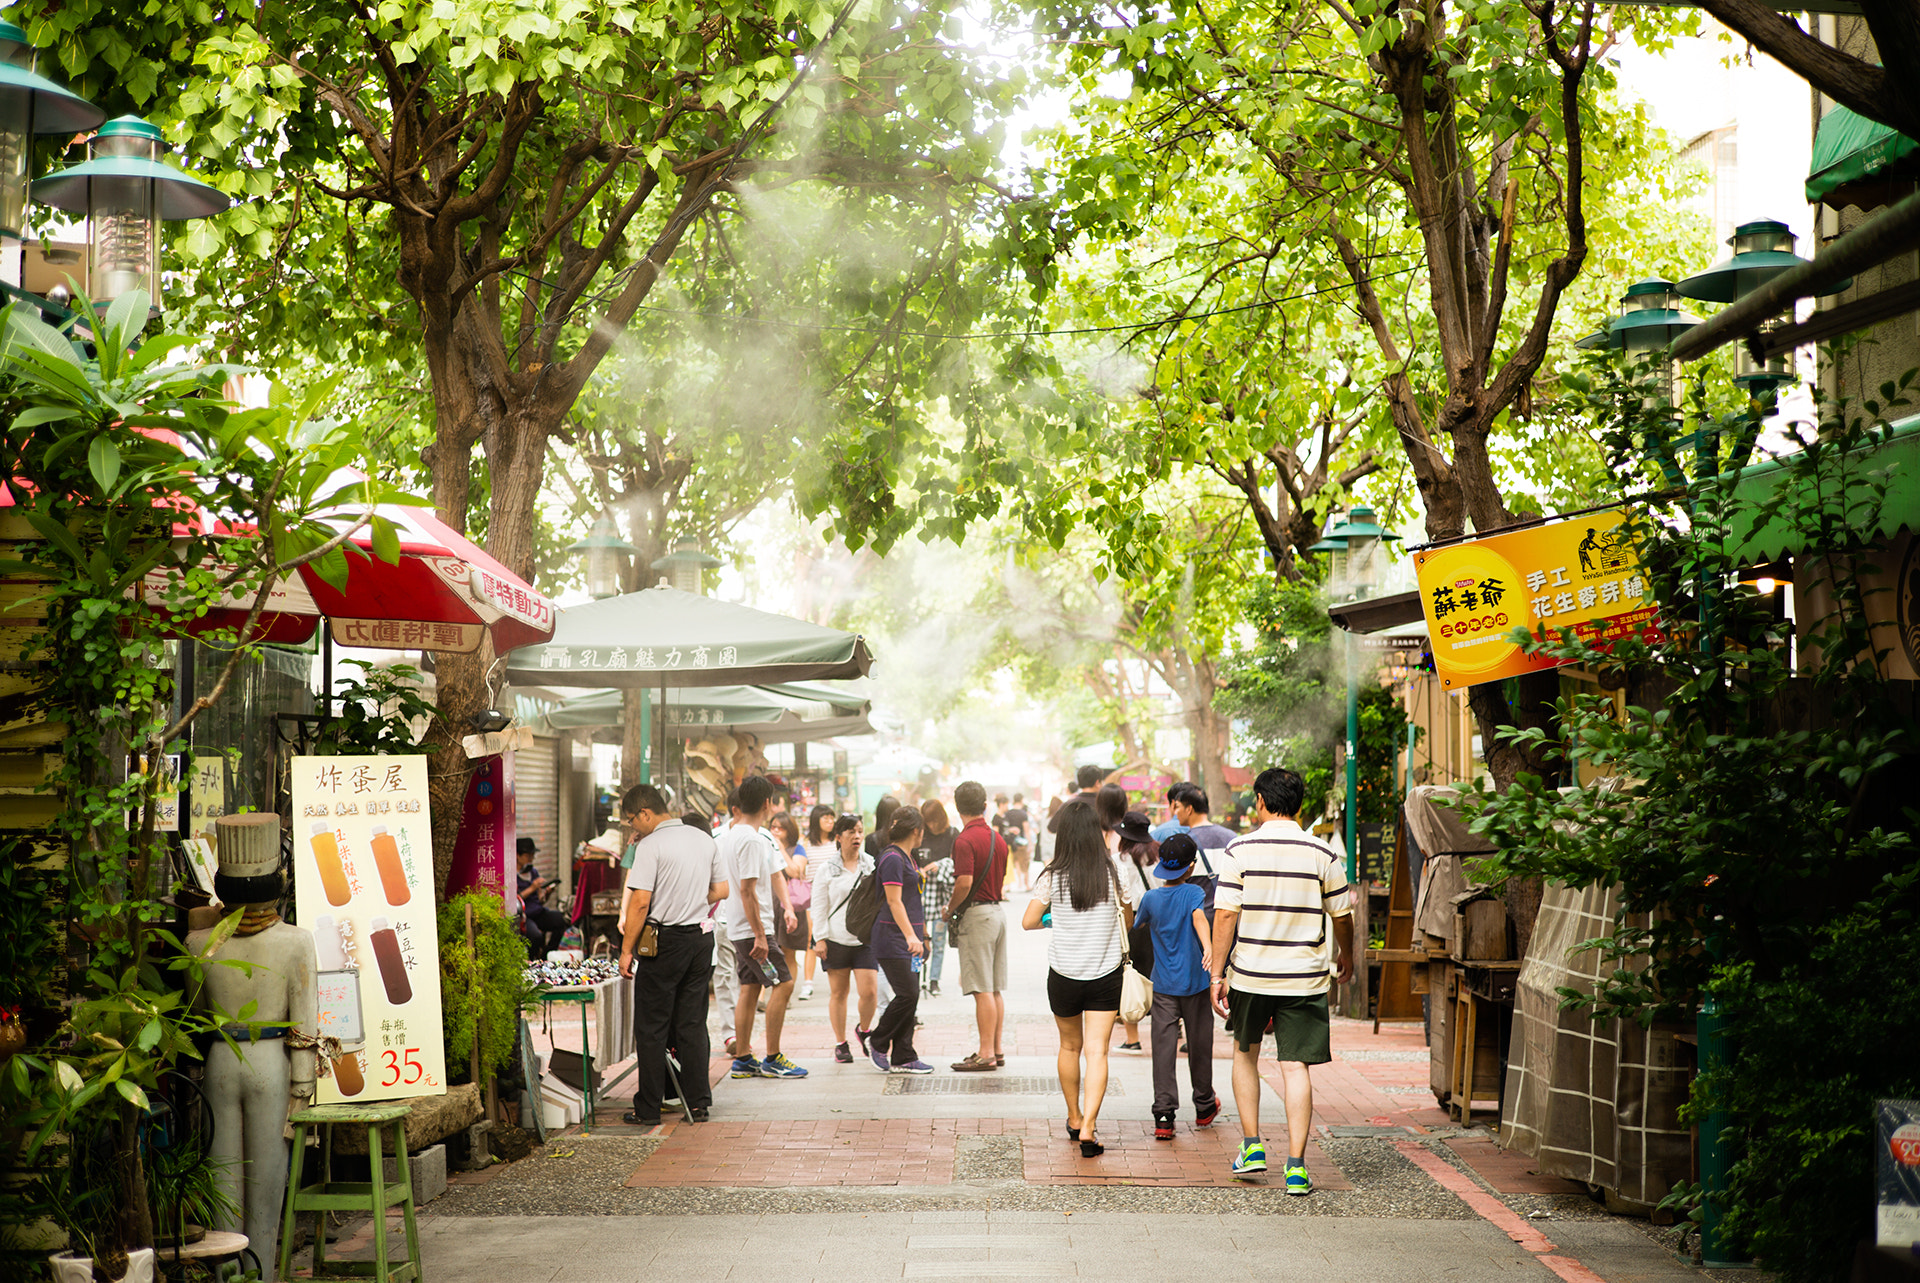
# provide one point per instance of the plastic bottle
(393, 874)
(393, 968)
(330, 953)
(346, 1074)
(767, 970)
(333, 868)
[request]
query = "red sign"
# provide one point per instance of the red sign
(484, 850)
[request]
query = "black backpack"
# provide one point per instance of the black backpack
(863, 906)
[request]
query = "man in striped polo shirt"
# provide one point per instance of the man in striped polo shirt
(1282, 930)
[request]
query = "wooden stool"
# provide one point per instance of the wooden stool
(373, 1197)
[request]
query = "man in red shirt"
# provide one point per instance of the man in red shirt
(980, 929)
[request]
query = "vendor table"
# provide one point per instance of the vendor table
(612, 1001)
(1477, 986)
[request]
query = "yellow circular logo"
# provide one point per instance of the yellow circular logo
(1474, 600)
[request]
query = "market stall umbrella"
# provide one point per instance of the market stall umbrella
(786, 713)
(662, 637)
(443, 594)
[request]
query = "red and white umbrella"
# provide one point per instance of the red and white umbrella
(443, 594)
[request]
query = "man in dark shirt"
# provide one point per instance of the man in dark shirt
(1087, 778)
(979, 876)
(1019, 837)
(544, 926)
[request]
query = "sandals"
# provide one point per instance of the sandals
(999, 1062)
(974, 1064)
(1091, 1149)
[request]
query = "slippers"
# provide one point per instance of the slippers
(973, 1064)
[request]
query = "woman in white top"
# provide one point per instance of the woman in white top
(840, 950)
(817, 845)
(1091, 912)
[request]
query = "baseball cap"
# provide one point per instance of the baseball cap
(1177, 856)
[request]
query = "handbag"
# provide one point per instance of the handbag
(648, 945)
(1136, 991)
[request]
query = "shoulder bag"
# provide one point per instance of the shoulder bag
(1136, 990)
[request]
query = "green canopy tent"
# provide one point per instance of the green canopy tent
(1861, 162)
(784, 713)
(664, 638)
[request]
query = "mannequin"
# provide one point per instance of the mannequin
(253, 1092)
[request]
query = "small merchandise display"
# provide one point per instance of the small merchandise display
(560, 975)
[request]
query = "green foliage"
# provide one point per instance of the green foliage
(484, 987)
(29, 922)
(381, 711)
(1757, 824)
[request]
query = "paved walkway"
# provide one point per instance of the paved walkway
(852, 1174)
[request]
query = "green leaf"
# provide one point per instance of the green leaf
(134, 1095)
(34, 416)
(386, 540)
(103, 461)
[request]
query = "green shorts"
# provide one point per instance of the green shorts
(1302, 1026)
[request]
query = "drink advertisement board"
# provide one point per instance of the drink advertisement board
(1581, 573)
(363, 884)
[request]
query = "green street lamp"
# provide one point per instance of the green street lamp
(1359, 563)
(686, 564)
(1650, 320)
(1761, 251)
(604, 548)
(30, 105)
(125, 190)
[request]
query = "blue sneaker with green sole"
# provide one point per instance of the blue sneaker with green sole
(1251, 1160)
(745, 1067)
(1298, 1182)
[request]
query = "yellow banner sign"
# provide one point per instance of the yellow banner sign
(1580, 574)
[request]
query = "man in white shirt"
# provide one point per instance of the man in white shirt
(1283, 928)
(756, 875)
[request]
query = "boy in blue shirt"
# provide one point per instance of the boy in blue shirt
(1182, 955)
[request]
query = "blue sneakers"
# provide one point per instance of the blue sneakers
(1298, 1182)
(879, 1057)
(778, 1066)
(745, 1067)
(912, 1067)
(1251, 1160)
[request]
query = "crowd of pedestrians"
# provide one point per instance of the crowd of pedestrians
(1177, 924)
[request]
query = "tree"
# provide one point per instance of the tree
(526, 172)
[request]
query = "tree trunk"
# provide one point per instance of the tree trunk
(1211, 733)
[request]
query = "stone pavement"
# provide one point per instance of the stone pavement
(851, 1174)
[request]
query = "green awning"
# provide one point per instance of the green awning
(1893, 462)
(1848, 148)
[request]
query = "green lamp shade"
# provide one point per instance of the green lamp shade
(113, 179)
(1760, 253)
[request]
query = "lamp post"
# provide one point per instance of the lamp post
(1358, 565)
(30, 105)
(686, 565)
(125, 190)
(603, 547)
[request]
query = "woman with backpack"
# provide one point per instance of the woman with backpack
(899, 944)
(843, 954)
(1081, 892)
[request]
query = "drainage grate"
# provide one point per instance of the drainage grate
(978, 1085)
(1388, 1055)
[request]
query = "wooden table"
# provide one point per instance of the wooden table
(1477, 985)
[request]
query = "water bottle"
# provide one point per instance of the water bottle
(766, 969)
(916, 965)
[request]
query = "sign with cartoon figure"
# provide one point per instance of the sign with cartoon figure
(1580, 574)
(363, 882)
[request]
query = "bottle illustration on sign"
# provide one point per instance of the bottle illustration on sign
(329, 948)
(393, 969)
(333, 868)
(393, 874)
(346, 1074)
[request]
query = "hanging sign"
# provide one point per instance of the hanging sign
(363, 882)
(484, 849)
(1580, 574)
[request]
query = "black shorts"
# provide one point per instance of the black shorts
(1070, 998)
(747, 972)
(1302, 1028)
(798, 938)
(850, 957)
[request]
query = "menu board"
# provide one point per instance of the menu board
(363, 883)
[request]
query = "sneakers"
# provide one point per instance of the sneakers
(912, 1067)
(933, 988)
(1163, 1126)
(1205, 1117)
(1298, 1183)
(745, 1067)
(1251, 1160)
(778, 1066)
(879, 1057)
(861, 1034)
(842, 1054)
(806, 991)
(1131, 1048)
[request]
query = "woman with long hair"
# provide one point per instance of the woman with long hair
(817, 844)
(1091, 912)
(899, 945)
(846, 960)
(799, 941)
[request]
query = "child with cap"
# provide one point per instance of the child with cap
(1182, 955)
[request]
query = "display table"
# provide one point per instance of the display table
(1478, 988)
(612, 1040)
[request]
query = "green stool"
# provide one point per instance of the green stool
(373, 1197)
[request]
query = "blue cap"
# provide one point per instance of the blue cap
(1177, 856)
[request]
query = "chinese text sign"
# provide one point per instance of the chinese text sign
(363, 882)
(1580, 574)
(483, 851)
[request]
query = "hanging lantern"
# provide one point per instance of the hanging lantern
(1761, 251)
(125, 190)
(30, 105)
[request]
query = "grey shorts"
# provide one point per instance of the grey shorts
(981, 939)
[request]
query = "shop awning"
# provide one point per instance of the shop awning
(664, 637)
(1893, 461)
(1849, 149)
